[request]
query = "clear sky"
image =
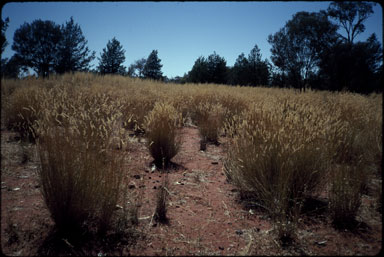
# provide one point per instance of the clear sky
(180, 31)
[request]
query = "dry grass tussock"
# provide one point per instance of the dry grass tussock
(161, 130)
(284, 146)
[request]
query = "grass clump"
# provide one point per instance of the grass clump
(276, 157)
(345, 196)
(21, 110)
(209, 119)
(161, 130)
(81, 175)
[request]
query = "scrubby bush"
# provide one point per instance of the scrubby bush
(161, 130)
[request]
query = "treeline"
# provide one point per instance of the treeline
(48, 48)
(308, 52)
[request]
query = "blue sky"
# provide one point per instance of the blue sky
(180, 31)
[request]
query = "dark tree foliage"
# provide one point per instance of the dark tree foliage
(3, 40)
(209, 70)
(239, 73)
(73, 53)
(350, 16)
(217, 69)
(296, 48)
(199, 72)
(251, 71)
(354, 67)
(11, 68)
(36, 45)
(136, 69)
(112, 58)
(258, 69)
(152, 67)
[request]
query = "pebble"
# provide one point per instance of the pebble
(239, 232)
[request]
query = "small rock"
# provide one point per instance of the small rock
(118, 207)
(321, 243)
(131, 186)
(154, 187)
(215, 162)
(136, 176)
(16, 189)
(221, 248)
(239, 232)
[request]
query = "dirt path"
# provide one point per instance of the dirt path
(203, 213)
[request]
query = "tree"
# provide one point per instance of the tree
(36, 45)
(258, 69)
(217, 69)
(199, 71)
(112, 58)
(240, 71)
(136, 69)
(209, 70)
(355, 67)
(11, 68)
(73, 53)
(350, 15)
(296, 48)
(3, 40)
(152, 67)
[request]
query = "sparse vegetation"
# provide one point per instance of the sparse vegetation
(282, 147)
(162, 202)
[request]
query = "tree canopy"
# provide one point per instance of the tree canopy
(73, 53)
(112, 58)
(296, 48)
(3, 40)
(36, 45)
(152, 67)
(209, 70)
(350, 16)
